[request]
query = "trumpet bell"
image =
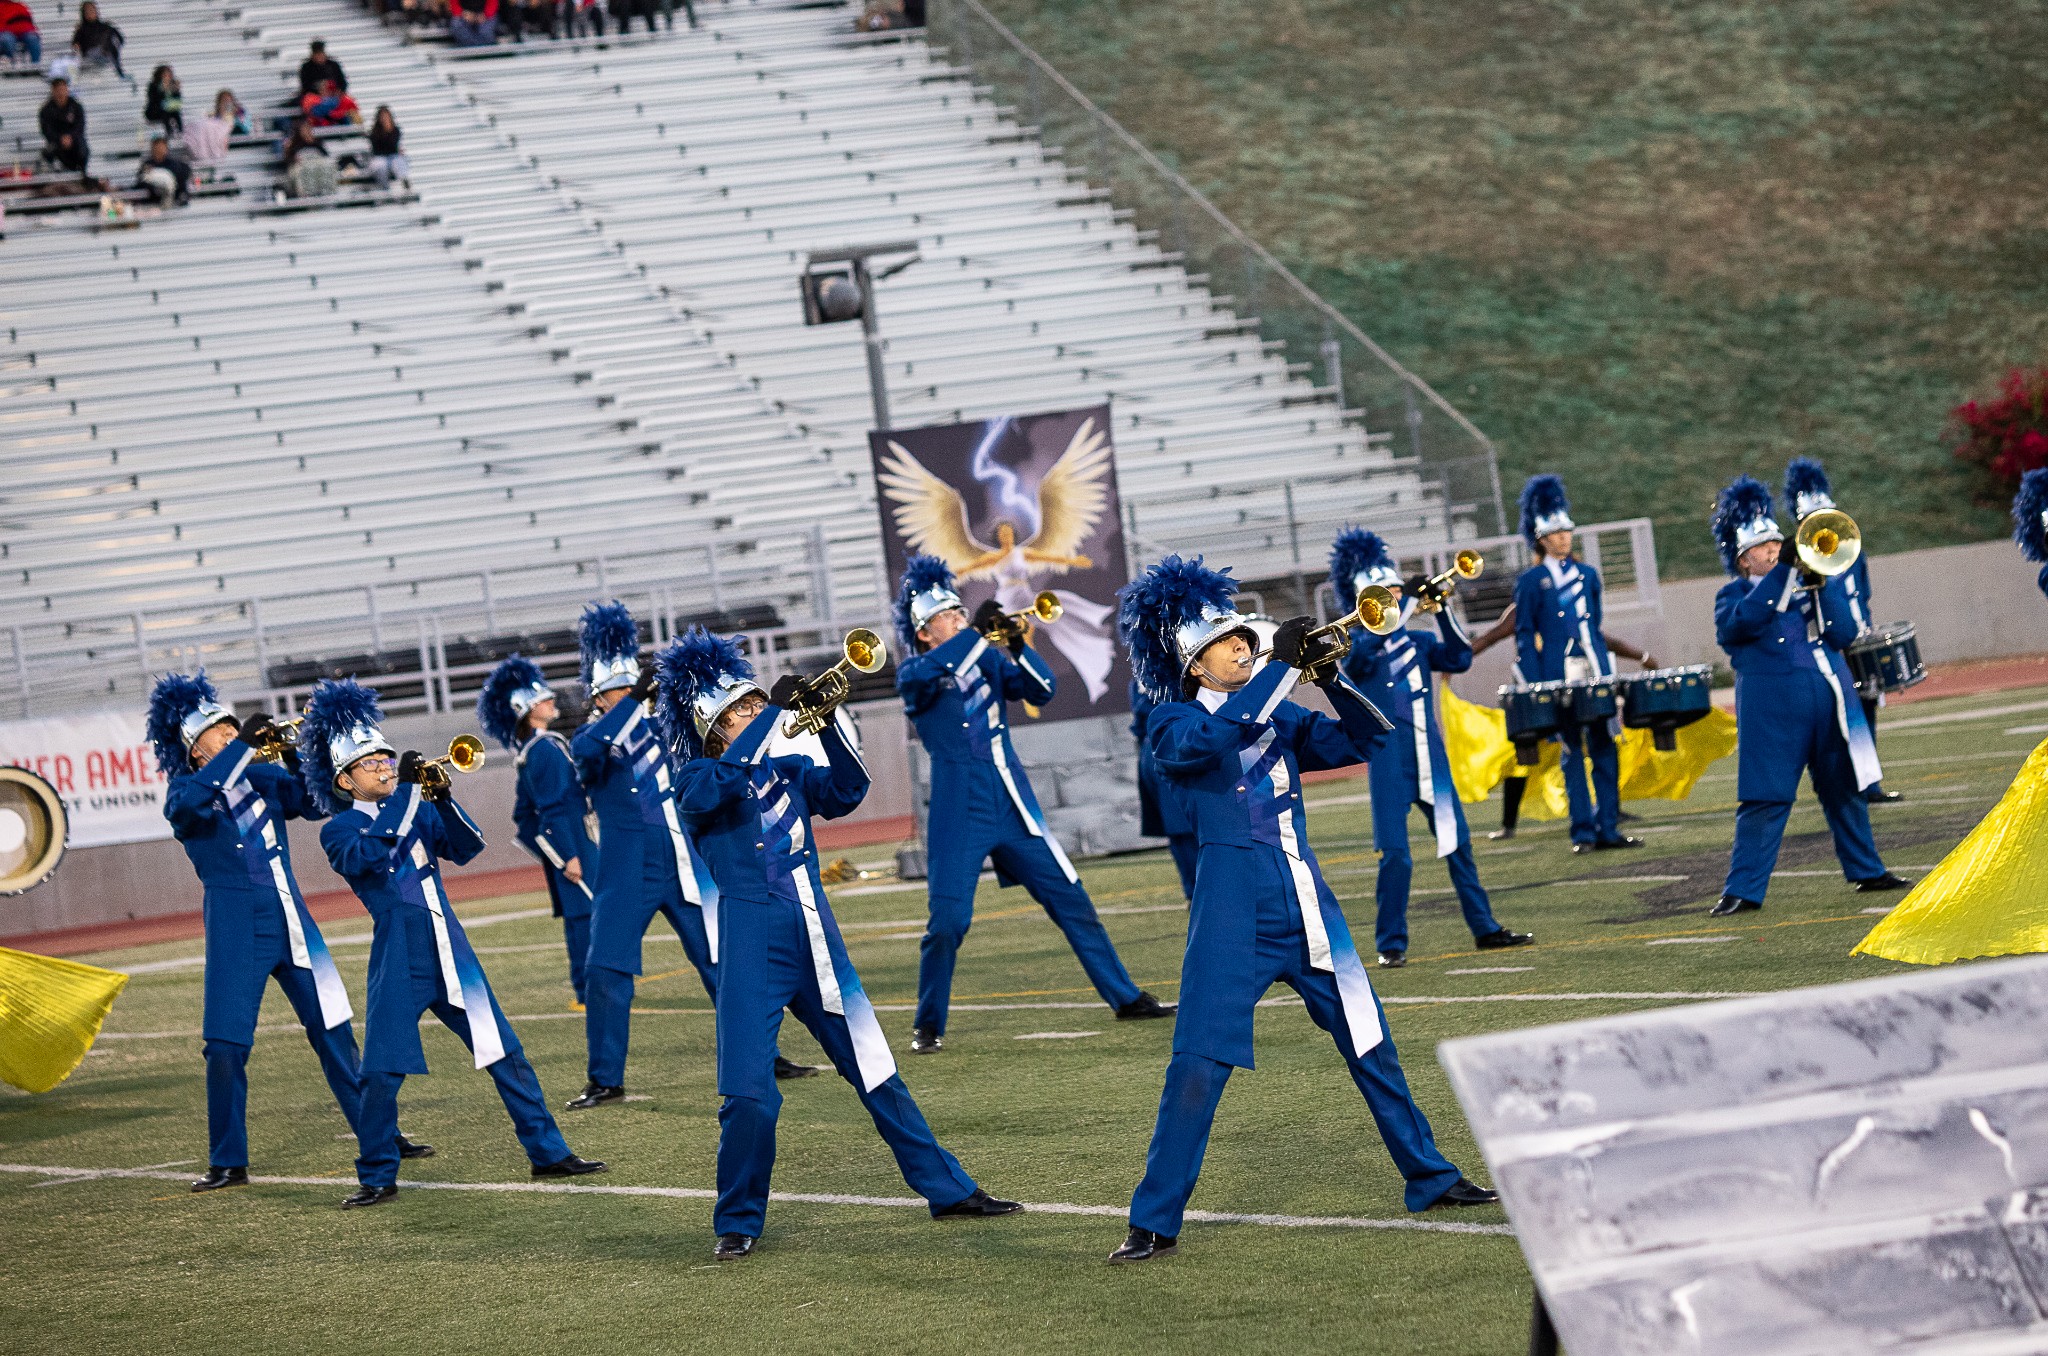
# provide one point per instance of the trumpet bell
(1378, 610)
(864, 650)
(1468, 563)
(1046, 607)
(466, 753)
(1828, 542)
(32, 830)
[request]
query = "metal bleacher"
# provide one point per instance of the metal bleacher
(284, 443)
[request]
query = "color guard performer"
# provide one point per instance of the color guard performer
(1558, 639)
(956, 681)
(752, 811)
(391, 827)
(516, 707)
(2030, 521)
(1795, 707)
(1807, 491)
(1397, 673)
(227, 805)
(1226, 735)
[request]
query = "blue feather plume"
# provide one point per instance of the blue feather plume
(1804, 475)
(336, 706)
(1354, 552)
(2027, 507)
(175, 696)
(921, 572)
(691, 664)
(1542, 496)
(1151, 608)
(1745, 500)
(609, 633)
(494, 710)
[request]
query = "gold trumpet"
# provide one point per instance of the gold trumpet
(281, 735)
(863, 652)
(1436, 590)
(1378, 611)
(1828, 542)
(1046, 607)
(465, 754)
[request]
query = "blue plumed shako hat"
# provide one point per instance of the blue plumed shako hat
(1544, 509)
(1743, 518)
(340, 730)
(1806, 487)
(697, 677)
(514, 688)
(1171, 613)
(1358, 558)
(182, 706)
(927, 589)
(2030, 515)
(611, 647)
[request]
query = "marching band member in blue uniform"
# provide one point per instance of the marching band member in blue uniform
(1557, 638)
(391, 827)
(1807, 491)
(228, 809)
(2030, 521)
(515, 708)
(1226, 735)
(1795, 707)
(646, 863)
(956, 683)
(752, 814)
(1160, 815)
(1397, 673)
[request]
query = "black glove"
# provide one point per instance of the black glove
(788, 693)
(1809, 580)
(643, 686)
(989, 616)
(409, 765)
(256, 728)
(438, 791)
(1421, 590)
(1291, 639)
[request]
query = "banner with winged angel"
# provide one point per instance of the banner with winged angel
(1015, 505)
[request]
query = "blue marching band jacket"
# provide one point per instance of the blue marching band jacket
(390, 854)
(955, 693)
(1557, 620)
(1237, 761)
(1396, 673)
(1774, 630)
(230, 815)
(632, 788)
(751, 814)
(548, 819)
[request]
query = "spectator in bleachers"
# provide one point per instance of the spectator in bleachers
(164, 175)
(308, 171)
(330, 107)
(206, 140)
(18, 35)
(586, 16)
(473, 23)
(164, 103)
(96, 42)
(387, 161)
(540, 16)
(62, 119)
(625, 10)
(318, 69)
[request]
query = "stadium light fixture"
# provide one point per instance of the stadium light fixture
(839, 285)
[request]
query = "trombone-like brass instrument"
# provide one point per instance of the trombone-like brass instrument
(1046, 607)
(862, 652)
(1827, 542)
(280, 736)
(1466, 564)
(465, 754)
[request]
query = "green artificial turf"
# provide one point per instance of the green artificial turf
(1645, 246)
(139, 1264)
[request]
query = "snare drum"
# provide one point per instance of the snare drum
(1663, 700)
(1533, 711)
(1887, 659)
(1592, 700)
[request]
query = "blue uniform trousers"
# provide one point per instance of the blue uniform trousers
(959, 842)
(1396, 788)
(608, 993)
(1186, 850)
(1814, 738)
(1596, 817)
(1194, 1085)
(767, 968)
(576, 935)
(227, 1062)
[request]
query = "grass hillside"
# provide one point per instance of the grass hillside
(1645, 246)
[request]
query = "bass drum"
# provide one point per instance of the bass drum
(1887, 659)
(33, 827)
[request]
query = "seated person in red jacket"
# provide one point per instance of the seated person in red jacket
(18, 35)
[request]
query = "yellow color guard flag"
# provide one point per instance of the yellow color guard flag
(50, 1013)
(1989, 897)
(1476, 739)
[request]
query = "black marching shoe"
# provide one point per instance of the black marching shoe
(1393, 960)
(368, 1195)
(1620, 840)
(1732, 904)
(732, 1247)
(1466, 1192)
(1501, 834)
(789, 1068)
(924, 1040)
(216, 1178)
(408, 1148)
(594, 1094)
(1143, 1006)
(1880, 796)
(1142, 1245)
(572, 1166)
(980, 1205)
(1878, 885)
(1501, 940)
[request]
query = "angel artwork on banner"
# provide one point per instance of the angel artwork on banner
(1024, 533)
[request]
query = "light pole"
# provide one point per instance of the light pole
(839, 285)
